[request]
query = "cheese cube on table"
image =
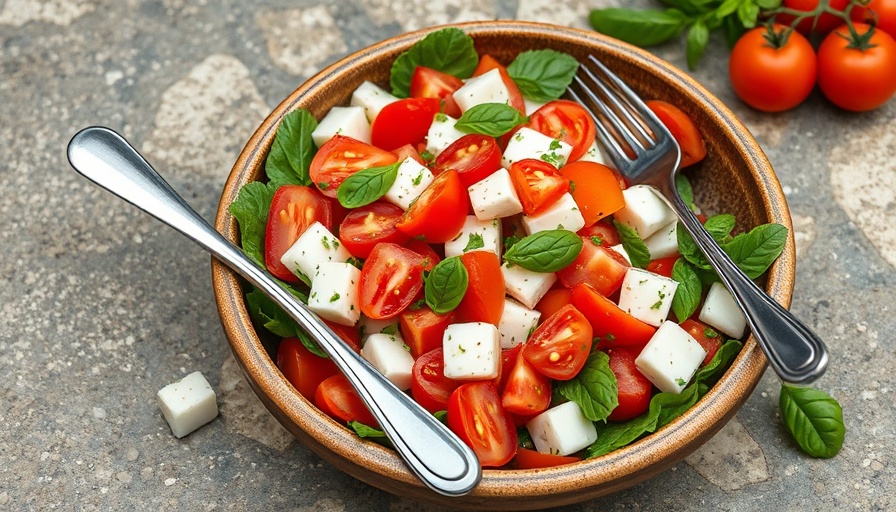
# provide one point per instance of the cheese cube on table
(315, 245)
(442, 133)
(517, 321)
(478, 235)
(663, 243)
(646, 296)
(188, 404)
(528, 143)
(644, 211)
(411, 180)
(472, 351)
(670, 358)
(526, 286)
(562, 430)
(486, 88)
(563, 214)
(721, 312)
(372, 98)
(494, 197)
(348, 121)
(387, 353)
(334, 293)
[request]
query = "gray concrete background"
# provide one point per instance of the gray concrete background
(100, 306)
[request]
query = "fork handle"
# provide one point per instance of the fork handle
(796, 354)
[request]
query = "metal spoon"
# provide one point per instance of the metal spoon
(431, 451)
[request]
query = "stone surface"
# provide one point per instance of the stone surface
(101, 305)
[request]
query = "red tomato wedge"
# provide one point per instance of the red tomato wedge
(430, 83)
(568, 121)
(403, 122)
(293, 209)
(430, 257)
(595, 188)
(484, 299)
(526, 392)
(429, 386)
(599, 266)
(488, 63)
(538, 184)
(531, 459)
(338, 399)
(408, 151)
(552, 301)
(369, 225)
(601, 233)
(508, 359)
(390, 279)
(473, 156)
(475, 414)
(706, 336)
(304, 370)
(559, 347)
(683, 130)
(439, 212)
(342, 156)
(662, 266)
(633, 387)
(422, 329)
(613, 326)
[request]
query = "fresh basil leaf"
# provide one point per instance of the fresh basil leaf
(748, 13)
(814, 419)
(698, 38)
(493, 119)
(545, 251)
(373, 434)
(720, 226)
(636, 249)
(755, 251)
(685, 190)
(474, 241)
(727, 7)
(310, 344)
(292, 150)
(645, 27)
(718, 365)
(449, 50)
(441, 416)
(524, 438)
(689, 250)
(689, 291)
(594, 388)
(267, 313)
(689, 7)
(543, 75)
(733, 29)
(446, 285)
(365, 187)
(768, 5)
(251, 212)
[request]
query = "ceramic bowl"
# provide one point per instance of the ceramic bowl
(735, 177)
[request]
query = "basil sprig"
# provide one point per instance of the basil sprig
(493, 119)
(446, 285)
(594, 388)
(449, 50)
(542, 75)
(545, 251)
(753, 251)
(292, 150)
(689, 291)
(635, 247)
(365, 187)
(814, 419)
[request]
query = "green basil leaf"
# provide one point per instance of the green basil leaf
(449, 50)
(373, 434)
(292, 150)
(545, 251)
(698, 38)
(720, 226)
(689, 291)
(493, 119)
(474, 241)
(688, 249)
(718, 365)
(267, 313)
(543, 75)
(685, 190)
(251, 212)
(441, 416)
(636, 249)
(768, 5)
(446, 285)
(733, 29)
(690, 7)
(310, 344)
(594, 388)
(365, 187)
(755, 251)
(814, 419)
(748, 13)
(727, 7)
(645, 27)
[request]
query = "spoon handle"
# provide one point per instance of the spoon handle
(428, 447)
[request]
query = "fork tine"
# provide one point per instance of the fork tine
(616, 151)
(606, 107)
(621, 107)
(634, 101)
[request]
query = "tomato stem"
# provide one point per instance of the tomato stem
(823, 7)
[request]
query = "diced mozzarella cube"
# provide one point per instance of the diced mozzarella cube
(563, 214)
(476, 235)
(646, 296)
(368, 326)
(595, 153)
(349, 121)
(663, 243)
(531, 106)
(494, 197)
(561, 430)
(720, 311)
(188, 404)
(644, 211)
(619, 248)
(486, 88)
(472, 351)
(315, 245)
(517, 322)
(386, 352)
(526, 286)
(670, 358)
(372, 98)
(528, 143)
(334, 292)
(442, 133)
(411, 180)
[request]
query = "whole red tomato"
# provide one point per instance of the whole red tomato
(884, 11)
(825, 23)
(772, 70)
(857, 71)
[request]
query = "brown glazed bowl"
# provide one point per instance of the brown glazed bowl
(735, 177)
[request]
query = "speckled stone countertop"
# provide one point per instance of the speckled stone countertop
(101, 306)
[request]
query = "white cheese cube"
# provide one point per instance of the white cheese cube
(334, 292)
(486, 88)
(528, 143)
(562, 430)
(663, 243)
(442, 133)
(517, 322)
(472, 351)
(411, 180)
(349, 121)
(644, 211)
(476, 235)
(619, 248)
(387, 353)
(531, 106)
(563, 214)
(595, 153)
(646, 296)
(526, 286)
(670, 358)
(494, 197)
(721, 312)
(368, 326)
(188, 404)
(372, 98)
(315, 245)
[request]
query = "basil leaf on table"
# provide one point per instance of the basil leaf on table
(689, 292)
(446, 285)
(635, 247)
(639, 27)
(292, 150)
(543, 75)
(594, 388)
(449, 50)
(814, 419)
(545, 251)
(493, 119)
(365, 187)
(251, 212)
(698, 37)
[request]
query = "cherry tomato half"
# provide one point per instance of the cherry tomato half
(473, 156)
(304, 370)
(526, 392)
(538, 184)
(475, 414)
(429, 386)
(568, 121)
(439, 212)
(338, 399)
(484, 298)
(342, 156)
(422, 329)
(559, 347)
(390, 280)
(403, 122)
(633, 387)
(706, 336)
(430, 83)
(598, 265)
(368, 225)
(293, 209)
(683, 130)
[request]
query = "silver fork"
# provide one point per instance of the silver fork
(644, 151)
